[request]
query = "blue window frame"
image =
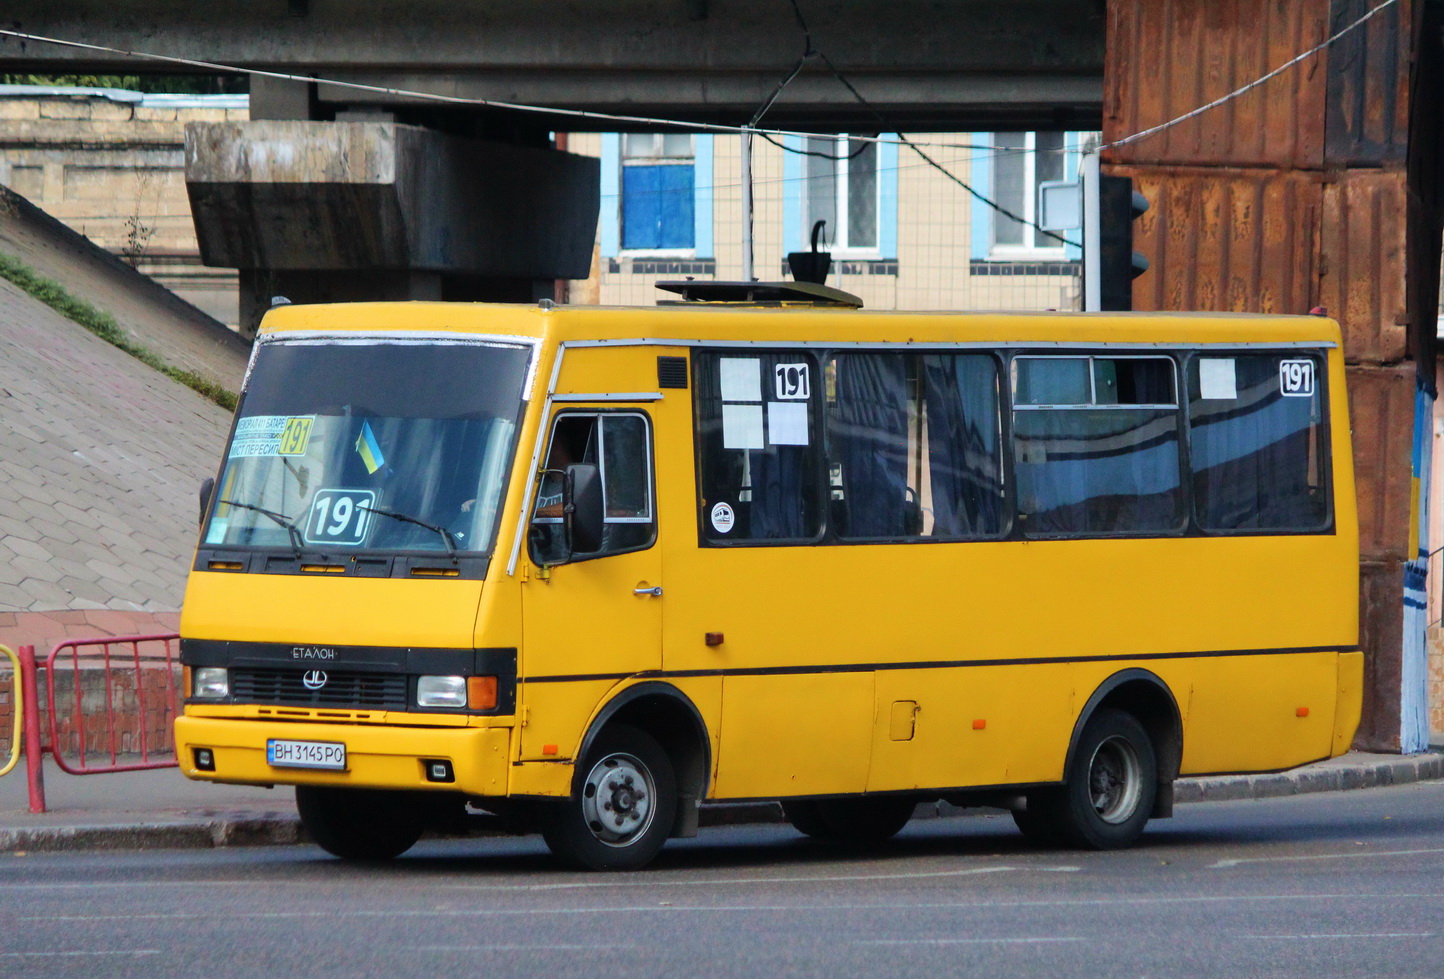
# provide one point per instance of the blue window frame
(658, 186)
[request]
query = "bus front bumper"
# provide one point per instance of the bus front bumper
(378, 757)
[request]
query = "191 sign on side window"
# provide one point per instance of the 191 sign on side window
(792, 382)
(1296, 378)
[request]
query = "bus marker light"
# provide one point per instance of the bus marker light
(714, 638)
(1302, 712)
(438, 770)
(549, 749)
(481, 692)
(980, 723)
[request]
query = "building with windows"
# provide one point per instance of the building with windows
(908, 221)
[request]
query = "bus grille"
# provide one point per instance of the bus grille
(385, 691)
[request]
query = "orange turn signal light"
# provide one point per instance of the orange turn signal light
(1301, 712)
(980, 724)
(481, 692)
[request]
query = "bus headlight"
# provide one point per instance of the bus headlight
(211, 682)
(441, 691)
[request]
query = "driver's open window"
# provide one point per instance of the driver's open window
(620, 444)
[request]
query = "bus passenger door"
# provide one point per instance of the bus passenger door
(589, 620)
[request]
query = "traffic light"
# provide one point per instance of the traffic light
(1118, 264)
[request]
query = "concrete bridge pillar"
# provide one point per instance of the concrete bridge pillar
(365, 208)
(1317, 188)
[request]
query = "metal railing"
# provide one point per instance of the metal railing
(142, 667)
(121, 704)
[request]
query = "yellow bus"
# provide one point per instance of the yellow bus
(588, 567)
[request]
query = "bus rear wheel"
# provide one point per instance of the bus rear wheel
(623, 809)
(857, 821)
(1111, 784)
(361, 824)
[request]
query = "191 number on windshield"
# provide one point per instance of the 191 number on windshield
(339, 516)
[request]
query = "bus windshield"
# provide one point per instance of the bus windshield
(374, 445)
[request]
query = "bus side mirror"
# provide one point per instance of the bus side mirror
(582, 513)
(208, 486)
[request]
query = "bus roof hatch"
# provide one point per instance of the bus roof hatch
(757, 293)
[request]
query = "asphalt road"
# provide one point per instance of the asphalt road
(1335, 884)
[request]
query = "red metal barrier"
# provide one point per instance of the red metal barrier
(126, 668)
(34, 749)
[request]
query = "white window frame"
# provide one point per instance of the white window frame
(836, 238)
(1030, 250)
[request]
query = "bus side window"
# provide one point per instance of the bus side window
(620, 444)
(759, 446)
(1095, 445)
(914, 446)
(1256, 435)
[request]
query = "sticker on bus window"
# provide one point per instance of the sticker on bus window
(271, 435)
(1217, 379)
(339, 516)
(741, 378)
(742, 427)
(1296, 378)
(786, 423)
(723, 519)
(791, 382)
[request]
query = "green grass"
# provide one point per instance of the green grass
(103, 325)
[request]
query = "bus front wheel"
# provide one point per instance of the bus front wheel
(623, 809)
(1109, 792)
(360, 824)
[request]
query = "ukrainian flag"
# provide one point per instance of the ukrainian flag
(369, 450)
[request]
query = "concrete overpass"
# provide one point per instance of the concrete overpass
(922, 64)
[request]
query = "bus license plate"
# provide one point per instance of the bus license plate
(305, 754)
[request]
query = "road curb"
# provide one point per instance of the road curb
(222, 830)
(274, 829)
(1319, 778)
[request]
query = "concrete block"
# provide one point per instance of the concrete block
(373, 195)
(11, 109)
(1272, 786)
(65, 109)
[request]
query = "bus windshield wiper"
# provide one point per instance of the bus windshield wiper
(446, 537)
(280, 518)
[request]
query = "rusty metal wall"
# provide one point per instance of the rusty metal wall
(1363, 263)
(1166, 57)
(1226, 239)
(1343, 107)
(1367, 121)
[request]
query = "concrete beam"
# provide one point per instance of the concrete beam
(914, 60)
(370, 196)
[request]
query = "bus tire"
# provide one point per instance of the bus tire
(360, 824)
(623, 808)
(1108, 795)
(857, 821)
